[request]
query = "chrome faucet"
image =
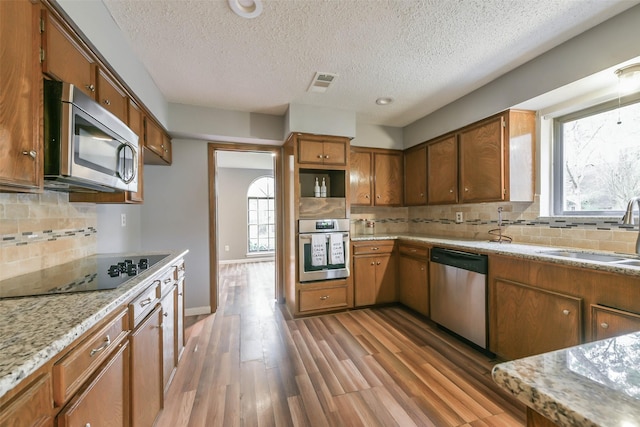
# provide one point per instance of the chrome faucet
(628, 219)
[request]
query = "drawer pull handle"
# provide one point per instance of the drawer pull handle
(105, 344)
(414, 250)
(604, 325)
(566, 312)
(167, 280)
(324, 297)
(145, 302)
(375, 249)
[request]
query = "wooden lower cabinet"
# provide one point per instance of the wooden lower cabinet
(607, 322)
(325, 298)
(413, 283)
(169, 329)
(104, 402)
(146, 370)
(374, 273)
(527, 320)
(31, 407)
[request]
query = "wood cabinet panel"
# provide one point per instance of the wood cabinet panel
(413, 278)
(442, 171)
(111, 95)
(322, 150)
(180, 318)
(146, 370)
(143, 304)
(104, 401)
(169, 329)
(20, 95)
(65, 58)
(387, 178)
(323, 298)
(360, 178)
(482, 166)
(374, 272)
(365, 286)
(415, 176)
(607, 322)
(31, 407)
(527, 320)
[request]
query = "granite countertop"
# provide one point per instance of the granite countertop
(517, 250)
(595, 384)
(35, 329)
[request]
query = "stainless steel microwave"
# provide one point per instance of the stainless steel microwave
(86, 147)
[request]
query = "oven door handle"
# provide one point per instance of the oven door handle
(307, 236)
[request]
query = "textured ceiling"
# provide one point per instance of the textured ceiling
(423, 53)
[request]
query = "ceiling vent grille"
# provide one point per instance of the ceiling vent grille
(321, 82)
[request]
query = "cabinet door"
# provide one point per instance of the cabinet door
(111, 95)
(413, 284)
(335, 153)
(310, 151)
(104, 400)
(155, 141)
(146, 370)
(442, 171)
(482, 168)
(360, 178)
(386, 278)
(64, 58)
(415, 177)
(180, 318)
(135, 123)
(32, 407)
(20, 93)
(529, 320)
(364, 280)
(607, 322)
(168, 337)
(387, 179)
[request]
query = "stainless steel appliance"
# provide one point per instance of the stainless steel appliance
(458, 293)
(323, 229)
(92, 273)
(86, 148)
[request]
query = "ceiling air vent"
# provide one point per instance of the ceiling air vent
(321, 82)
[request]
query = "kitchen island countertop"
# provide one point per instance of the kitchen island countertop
(33, 330)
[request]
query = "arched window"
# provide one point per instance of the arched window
(261, 215)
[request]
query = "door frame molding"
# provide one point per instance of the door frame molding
(276, 151)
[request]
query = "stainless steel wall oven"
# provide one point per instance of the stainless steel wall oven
(323, 249)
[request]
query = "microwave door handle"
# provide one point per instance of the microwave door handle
(122, 162)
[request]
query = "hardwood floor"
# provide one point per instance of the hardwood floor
(250, 364)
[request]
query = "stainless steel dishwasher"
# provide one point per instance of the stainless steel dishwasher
(458, 293)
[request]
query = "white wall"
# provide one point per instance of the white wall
(319, 120)
(112, 236)
(175, 215)
(368, 135)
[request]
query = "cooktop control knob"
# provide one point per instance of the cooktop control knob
(132, 269)
(143, 264)
(114, 271)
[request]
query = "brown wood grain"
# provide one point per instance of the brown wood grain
(415, 176)
(442, 171)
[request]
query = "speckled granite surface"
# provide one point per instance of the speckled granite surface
(532, 252)
(595, 384)
(34, 329)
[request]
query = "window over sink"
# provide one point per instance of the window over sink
(596, 153)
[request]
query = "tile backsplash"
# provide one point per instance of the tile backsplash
(41, 230)
(521, 222)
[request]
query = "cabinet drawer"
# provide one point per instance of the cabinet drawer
(319, 299)
(167, 281)
(607, 322)
(416, 251)
(70, 372)
(31, 407)
(179, 271)
(374, 247)
(143, 304)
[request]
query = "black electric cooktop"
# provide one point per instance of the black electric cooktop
(93, 273)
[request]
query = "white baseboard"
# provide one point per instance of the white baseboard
(196, 311)
(245, 260)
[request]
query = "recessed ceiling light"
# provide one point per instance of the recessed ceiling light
(384, 101)
(246, 8)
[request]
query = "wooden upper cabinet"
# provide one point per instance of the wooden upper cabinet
(360, 177)
(65, 58)
(415, 176)
(322, 150)
(157, 142)
(442, 169)
(497, 158)
(20, 97)
(111, 95)
(387, 178)
(482, 166)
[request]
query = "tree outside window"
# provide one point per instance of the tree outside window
(261, 215)
(597, 160)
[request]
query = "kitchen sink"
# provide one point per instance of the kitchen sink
(633, 262)
(591, 256)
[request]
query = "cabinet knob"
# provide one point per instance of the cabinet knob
(324, 297)
(326, 157)
(565, 312)
(366, 196)
(31, 154)
(604, 325)
(421, 194)
(165, 314)
(378, 196)
(451, 191)
(373, 263)
(466, 189)
(378, 263)
(87, 425)
(107, 102)
(320, 156)
(92, 88)
(421, 268)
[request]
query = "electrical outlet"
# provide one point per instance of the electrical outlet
(459, 217)
(123, 220)
(226, 248)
